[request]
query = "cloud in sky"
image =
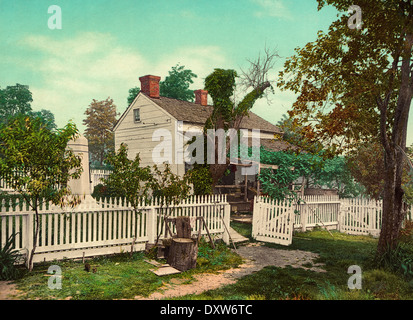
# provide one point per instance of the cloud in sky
(272, 8)
(93, 65)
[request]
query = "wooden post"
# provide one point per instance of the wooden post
(226, 221)
(151, 220)
(303, 216)
(183, 227)
(245, 188)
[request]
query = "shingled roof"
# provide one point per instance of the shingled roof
(198, 114)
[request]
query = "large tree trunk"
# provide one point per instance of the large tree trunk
(394, 145)
(393, 213)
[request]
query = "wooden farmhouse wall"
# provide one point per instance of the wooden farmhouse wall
(138, 135)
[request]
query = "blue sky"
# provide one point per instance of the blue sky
(104, 46)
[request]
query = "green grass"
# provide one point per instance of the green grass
(122, 277)
(337, 253)
(117, 277)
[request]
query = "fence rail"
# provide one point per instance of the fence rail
(106, 227)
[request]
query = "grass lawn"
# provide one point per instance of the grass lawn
(122, 277)
(337, 253)
(117, 277)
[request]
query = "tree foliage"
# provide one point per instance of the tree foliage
(357, 85)
(176, 84)
(100, 120)
(314, 170)
(16, 100)
(133, 92)
(127, 178)
(36, 163)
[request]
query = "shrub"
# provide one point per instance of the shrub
(101, 191)
(8, 259)
(399, 260)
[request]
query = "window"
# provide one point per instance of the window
(137, 115)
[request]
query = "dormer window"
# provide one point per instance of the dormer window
(137, 115)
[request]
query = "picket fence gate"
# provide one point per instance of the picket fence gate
(274, 221)
(105, 227)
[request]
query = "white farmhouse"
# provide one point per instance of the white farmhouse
(155, 126)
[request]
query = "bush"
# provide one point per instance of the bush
(399, 260)
(8, 258)
(101, 191)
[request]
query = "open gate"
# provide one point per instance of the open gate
(273, 221)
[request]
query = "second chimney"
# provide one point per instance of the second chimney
(150, 85)
(201, 97)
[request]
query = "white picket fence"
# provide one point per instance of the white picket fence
(317, 210)
(356, 216)
(106, 228)
(96, 176)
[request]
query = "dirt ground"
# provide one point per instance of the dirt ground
(255, 256)
(7, 288)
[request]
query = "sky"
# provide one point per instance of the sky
(104, 46)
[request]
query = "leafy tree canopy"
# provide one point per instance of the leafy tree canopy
(128, 178)
(15, 100)
(176, 84)
(100, 119)
(36, 163)
(356, 85)
(133, 92)
(315, 169)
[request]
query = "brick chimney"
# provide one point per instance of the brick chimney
(150, 85)
(201, 97)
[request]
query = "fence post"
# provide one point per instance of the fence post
(151, 224)
(339, 217)
(28, 232)
(227, 213)
(255, 214)
(303, 217)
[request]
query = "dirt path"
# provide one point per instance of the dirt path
(6, 289)
(256, 257)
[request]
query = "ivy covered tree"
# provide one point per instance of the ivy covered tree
(227, 113)
(36, 163)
